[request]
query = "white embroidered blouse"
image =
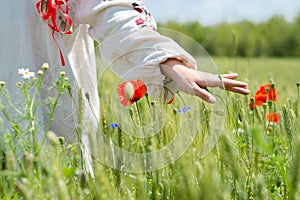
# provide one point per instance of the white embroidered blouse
(128, 40)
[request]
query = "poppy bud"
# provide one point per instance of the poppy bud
(264, 106)
(61, 140)
(153, 103)
(272, 85)
(87, 95)
(175, 111)
(267, 89)
(252, 103)
(270, 103)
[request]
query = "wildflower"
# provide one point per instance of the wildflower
(184, 109)
(45, 66)
(26, 73)
(62, 73)
(264, 93)
(40, 73)
(131, 91)
(171, 100)
(114, 125)
(273, 117)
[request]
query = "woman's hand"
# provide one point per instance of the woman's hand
(195, 82)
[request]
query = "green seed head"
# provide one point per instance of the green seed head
(61, 140)
(272, 85)
(270, 103)
(267, 90)
(175, 111)
(153, 103)
(264, 106)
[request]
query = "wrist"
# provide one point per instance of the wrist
(170, 62)
(172, 68)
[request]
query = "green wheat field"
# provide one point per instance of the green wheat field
(253, 158)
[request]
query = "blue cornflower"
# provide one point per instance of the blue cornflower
(114, 125)
(184, 109)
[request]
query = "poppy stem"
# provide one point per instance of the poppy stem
(151, 108)
(148, 102)
(139, 113)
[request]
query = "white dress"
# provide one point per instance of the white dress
(127, 37)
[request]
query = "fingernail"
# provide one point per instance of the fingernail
(211, 99)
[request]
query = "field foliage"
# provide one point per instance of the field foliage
(253, 158)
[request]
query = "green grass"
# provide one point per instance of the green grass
(253, 159)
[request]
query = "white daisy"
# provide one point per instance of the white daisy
(26, 73)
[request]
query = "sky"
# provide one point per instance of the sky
(210, 12)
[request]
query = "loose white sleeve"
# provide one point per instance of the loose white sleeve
(130, 43)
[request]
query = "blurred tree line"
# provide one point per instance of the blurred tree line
(275, 37)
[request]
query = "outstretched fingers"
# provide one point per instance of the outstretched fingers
(239, 90)
(236, 86)
(204, 94)
(228, 83)
(224, 81)
(230, 76)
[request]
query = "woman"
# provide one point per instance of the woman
(128, 41)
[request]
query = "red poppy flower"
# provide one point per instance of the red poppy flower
(270, 95)
(273, 117)
(171, 100)
(264, 93)
(131, 91)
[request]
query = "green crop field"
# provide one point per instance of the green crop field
(284, 72)
(255, 157)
